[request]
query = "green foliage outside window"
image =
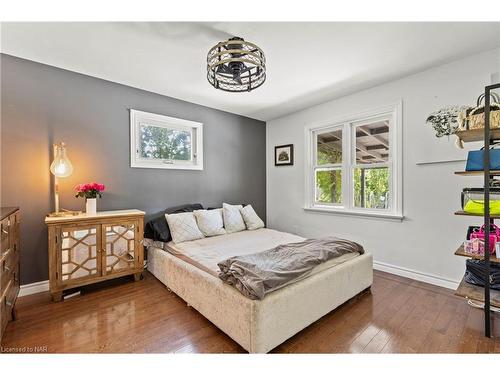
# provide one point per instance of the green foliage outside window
(329, 186)
(163, 143)
(327, 155)
(329, 182)
(376, 187)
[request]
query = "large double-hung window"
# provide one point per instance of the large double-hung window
(355, 164)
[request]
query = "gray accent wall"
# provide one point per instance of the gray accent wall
(41, 105)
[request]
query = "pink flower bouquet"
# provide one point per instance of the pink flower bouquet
(90, 190)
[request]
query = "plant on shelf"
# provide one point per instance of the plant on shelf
(447, 120)
(90, 192)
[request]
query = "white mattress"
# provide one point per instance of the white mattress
(207, 252)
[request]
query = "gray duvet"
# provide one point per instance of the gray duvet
(256, 275)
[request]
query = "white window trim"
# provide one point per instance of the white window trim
(137, 117)
(396, 182)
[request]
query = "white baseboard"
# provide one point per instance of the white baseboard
(416, 275)
(43, 286)
(38, 287)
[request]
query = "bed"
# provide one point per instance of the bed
(190, 270)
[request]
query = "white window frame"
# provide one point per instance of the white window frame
(348, 124)
(333, 166)
(195, 128)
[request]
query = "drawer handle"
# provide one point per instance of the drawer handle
(8, 303)
(5, 231)
(6, 267)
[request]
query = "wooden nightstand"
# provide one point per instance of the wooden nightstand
(87, 249)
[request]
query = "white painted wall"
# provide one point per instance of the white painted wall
(422, 245)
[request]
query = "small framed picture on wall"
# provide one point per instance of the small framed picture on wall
(283, 155)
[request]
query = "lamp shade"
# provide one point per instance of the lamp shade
(61, 166)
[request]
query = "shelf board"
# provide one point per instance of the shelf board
(476, 293)
(461, 252)
(477, 173)
(476, 135)
(463, 213)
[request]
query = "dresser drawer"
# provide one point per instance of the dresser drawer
(7, 303)
(9, 263)
(4, 315)
(15, 225)
(8, 269)
(5, 229)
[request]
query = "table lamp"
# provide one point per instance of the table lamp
(60, 167)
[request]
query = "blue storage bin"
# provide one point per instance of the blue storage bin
(475, 160)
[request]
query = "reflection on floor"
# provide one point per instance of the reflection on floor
(399, 316)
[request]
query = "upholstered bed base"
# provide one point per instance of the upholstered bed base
(259, 326)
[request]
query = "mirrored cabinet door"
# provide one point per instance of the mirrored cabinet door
(120, 245)
(79, 253)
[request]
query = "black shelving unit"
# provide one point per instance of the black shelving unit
(489, 137)
(487, 219)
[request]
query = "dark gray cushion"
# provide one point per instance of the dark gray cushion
(157, 228)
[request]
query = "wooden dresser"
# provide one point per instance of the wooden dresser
(9, 264)
(87, 249)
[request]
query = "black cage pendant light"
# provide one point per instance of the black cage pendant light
(236, 66)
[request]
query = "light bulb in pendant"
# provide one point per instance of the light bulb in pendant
(61, 166)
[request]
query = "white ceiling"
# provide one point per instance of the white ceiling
(308, 63)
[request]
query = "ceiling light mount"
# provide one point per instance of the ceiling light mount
(236, 66)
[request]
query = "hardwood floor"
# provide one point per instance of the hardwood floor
(398, 316)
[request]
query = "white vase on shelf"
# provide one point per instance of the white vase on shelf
(91, 206)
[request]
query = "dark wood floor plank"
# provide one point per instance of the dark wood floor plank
(398, 316)
(391, 319)
(446, 328)
(340, 335)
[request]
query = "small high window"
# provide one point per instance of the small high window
(158, 141)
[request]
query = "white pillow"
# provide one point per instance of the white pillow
(210, 222)
(233, 221)
(183, 227)
(252, 220)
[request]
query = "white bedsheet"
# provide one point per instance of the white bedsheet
(207, 252)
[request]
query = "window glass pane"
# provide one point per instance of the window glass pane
(329, 186)
(371, 188)
(329, 147)
(164, 143)
(372, 142)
